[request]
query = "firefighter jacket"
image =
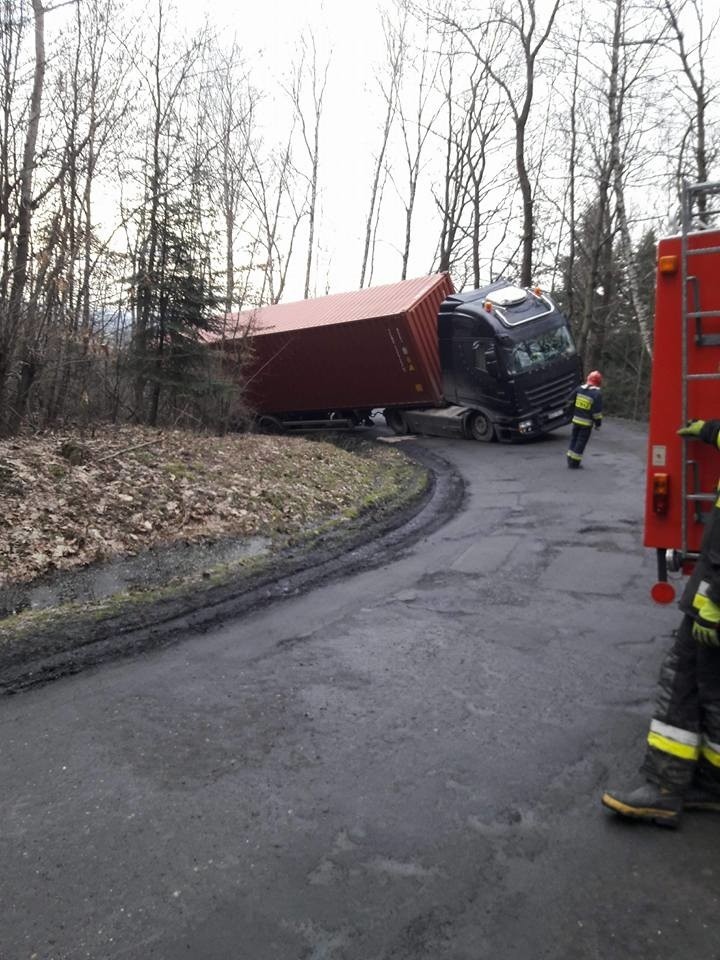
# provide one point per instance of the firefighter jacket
(587, 411)
(705, 578)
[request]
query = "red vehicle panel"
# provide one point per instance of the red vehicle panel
(664, 520)
(376, 347)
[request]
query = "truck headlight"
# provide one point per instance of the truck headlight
(525, 426)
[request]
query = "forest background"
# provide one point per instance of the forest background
(158, 171)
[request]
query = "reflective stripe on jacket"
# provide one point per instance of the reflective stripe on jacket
(588, 406)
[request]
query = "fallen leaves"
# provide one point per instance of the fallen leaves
(137, 488)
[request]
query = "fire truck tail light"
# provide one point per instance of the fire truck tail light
(663, 592)
(668, 264)
(660, 493)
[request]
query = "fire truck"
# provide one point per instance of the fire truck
(682, 474)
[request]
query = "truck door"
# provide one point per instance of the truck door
(479, 373)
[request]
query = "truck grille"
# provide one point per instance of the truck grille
(555, 394)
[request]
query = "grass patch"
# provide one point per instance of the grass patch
(295, 493)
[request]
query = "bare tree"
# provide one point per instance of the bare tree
(15, 314)
(468, 199)
(587, 225)
(310, 130)
(272, 186)
(396, 48)
(232, 105)
(698, 92)
(416, 129)
(11, 40)
(92, 100)
(628, 64)
(22, 249)
(508, 43)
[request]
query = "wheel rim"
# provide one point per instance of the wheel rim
(481, 428)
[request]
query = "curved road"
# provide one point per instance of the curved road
(404, 765)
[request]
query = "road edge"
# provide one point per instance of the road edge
(85, 641)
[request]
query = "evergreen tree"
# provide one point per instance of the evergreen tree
(181, 303)
(624, 359)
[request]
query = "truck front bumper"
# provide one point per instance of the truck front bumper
(533, 425)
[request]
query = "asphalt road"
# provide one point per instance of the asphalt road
(403, 764)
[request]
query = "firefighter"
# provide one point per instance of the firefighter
(587, 415)
(682, 759)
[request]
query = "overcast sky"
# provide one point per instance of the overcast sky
(350, 35)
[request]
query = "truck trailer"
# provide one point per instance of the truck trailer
(499, 362)
(682, 474)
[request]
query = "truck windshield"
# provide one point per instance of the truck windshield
(522, 355)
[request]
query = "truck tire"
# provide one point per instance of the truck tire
(480, 427)
(395, 419)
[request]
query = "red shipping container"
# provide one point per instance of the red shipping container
(376, 347)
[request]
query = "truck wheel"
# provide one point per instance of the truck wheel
(480, 427)
(395, 419)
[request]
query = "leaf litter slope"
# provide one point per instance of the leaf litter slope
(139, 488)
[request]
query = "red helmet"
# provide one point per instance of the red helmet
(594, 379)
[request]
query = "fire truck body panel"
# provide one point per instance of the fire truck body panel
(684, 386)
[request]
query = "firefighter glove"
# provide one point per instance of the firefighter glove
(692, 429)
(707, 620)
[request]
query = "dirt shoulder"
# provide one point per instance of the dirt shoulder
(126, 539)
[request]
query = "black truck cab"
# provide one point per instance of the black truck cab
(508, 358)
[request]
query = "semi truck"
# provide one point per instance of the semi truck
(494, 363)
(682, 474)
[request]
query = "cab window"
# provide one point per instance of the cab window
(484, 355)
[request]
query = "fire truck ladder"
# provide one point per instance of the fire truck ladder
(694, 197)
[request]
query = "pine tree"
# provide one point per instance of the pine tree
(181, 305)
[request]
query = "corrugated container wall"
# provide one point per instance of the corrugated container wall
(373, 348)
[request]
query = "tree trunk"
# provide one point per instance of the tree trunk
(16, 306)
(395, 44)
(615, 107)
(146, 281)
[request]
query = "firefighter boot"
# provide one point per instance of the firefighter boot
(649, 802)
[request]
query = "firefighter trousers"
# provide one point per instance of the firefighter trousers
(578, 441)
(683, 744)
